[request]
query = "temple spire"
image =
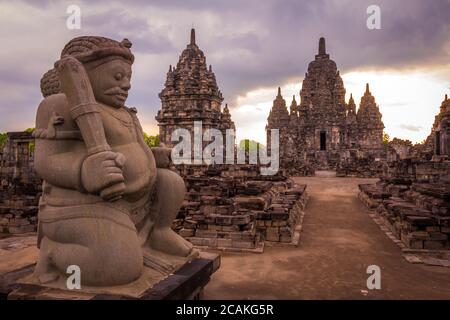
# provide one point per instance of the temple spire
(322, 49)
(279, 92)
(367, 89)
(192, 36)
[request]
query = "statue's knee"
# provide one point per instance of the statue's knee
(106, 252)
(115, 262)
(168, 180)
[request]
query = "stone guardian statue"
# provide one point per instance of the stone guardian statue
(108, 199)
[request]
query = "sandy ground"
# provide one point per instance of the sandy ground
(339, 241)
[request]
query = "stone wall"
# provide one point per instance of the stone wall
(356, 163)
(236, 208)
(413, 195)
(20, 187)
(417, 214)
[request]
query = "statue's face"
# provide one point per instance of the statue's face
(110, 82)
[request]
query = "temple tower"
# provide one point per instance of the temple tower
(191, 94)
(369, 123)
(323, 128)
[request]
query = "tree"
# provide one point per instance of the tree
(151, 141)
(32, 144)
(3, 138)
(252, 145)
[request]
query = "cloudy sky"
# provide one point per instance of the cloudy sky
(254, 46)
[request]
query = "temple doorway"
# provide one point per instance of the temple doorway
(438, 143)
(323, 140)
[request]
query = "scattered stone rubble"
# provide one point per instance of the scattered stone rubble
(418, 214)
(19, 188)
(360, 165)
(236, 208)
(413, 195)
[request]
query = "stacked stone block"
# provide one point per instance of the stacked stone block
(18, 214)
(19, 188)
(236, 208)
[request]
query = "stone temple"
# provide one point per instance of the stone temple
(227, 207)
(191, 94)
(323, 131)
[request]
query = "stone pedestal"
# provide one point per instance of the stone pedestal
(186, 283)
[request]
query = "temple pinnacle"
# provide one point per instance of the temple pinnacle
(322, 49)
(192, 36)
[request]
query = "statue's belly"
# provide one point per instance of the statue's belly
(138, 172)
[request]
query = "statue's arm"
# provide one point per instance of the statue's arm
(57, 161)
(62, 157)
(59, 165)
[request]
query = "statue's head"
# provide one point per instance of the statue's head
(107, 63)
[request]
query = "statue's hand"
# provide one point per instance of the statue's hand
(162, 156)
(74, 81)
(102, 173)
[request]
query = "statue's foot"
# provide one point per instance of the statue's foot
(168, 241)
(45, 271)
(48, 277)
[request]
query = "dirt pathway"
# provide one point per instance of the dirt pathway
(339, 241)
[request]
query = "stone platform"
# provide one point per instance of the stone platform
(416, 216)
(18, 257)
(235, 208)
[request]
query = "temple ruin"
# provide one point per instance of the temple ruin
(323, 131)
(412, 198)
(231, 207)
(191, 94)
(19, 184)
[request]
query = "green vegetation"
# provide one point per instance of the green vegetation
(252, 145)
(3, 138)
(32, 144)
(151, 141)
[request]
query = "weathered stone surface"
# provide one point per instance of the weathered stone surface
(413, 196)
(19, 184)
(246, 208)
(100, 177)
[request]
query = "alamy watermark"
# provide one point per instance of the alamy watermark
(73, 21)
(74, 280)
(373, 21)
(374, 280)
(191, 151)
